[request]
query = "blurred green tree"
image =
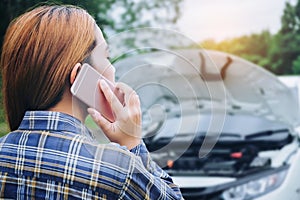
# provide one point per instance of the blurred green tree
(296, 65)
(288, 39)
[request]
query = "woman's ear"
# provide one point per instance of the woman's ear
(74, 72)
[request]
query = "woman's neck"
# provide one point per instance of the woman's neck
(71, 106)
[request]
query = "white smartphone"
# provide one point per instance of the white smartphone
(85, 88)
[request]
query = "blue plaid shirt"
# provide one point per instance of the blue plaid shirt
(53, 156)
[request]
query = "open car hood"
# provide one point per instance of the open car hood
(197, 78)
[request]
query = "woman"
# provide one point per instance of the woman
(49, 153)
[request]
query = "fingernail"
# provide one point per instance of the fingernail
(103, 84)
(93, 113)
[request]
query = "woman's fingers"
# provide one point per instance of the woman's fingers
(126, 130)
(128, 92)
(114, 102)
(132, 100)
(101, 121)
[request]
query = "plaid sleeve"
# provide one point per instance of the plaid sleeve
(147, 180)
(142, 152)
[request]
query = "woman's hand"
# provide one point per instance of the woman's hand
(126, 129)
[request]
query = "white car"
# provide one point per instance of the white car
(222, 127)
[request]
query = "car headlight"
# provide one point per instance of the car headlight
(255, 188)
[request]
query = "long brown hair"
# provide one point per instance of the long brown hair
(39, 50)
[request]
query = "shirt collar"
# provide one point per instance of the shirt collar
(53, 121)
